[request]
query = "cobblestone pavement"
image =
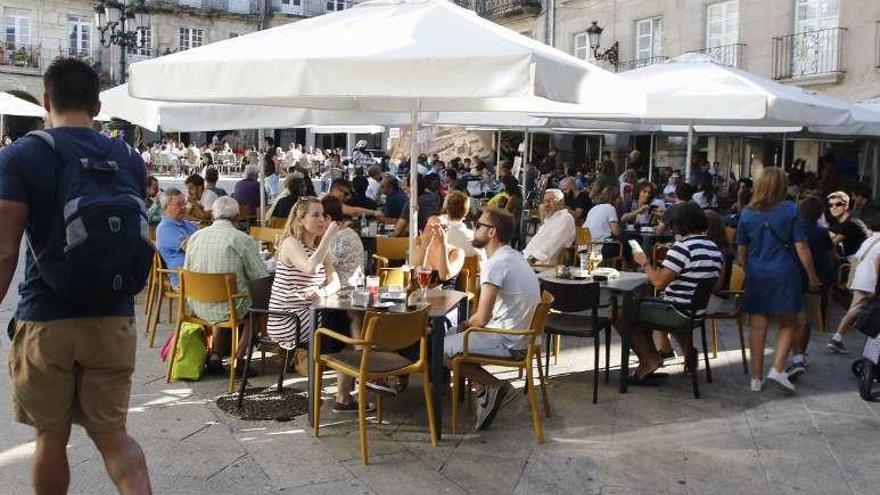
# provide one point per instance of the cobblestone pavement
(824, 439)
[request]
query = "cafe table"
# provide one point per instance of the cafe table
(441, 301)
(626, 286)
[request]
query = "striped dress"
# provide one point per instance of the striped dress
(289, 293)
(693, 259)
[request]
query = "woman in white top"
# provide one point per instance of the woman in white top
(602, 220)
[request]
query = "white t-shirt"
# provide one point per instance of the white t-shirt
(208, 197)
(518, 295)
(599, 221)
(373, 188)
(700, 199)
(865, 276)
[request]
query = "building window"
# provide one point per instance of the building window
(291, 6)
(815, 47)
(79, 36)
(722, 23)
(145, 35)
(191, 3)
(648, 38)
(581, 48)
(18, 29)
(190, 38)
(335, 5)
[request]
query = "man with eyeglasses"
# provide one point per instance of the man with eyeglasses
(341, 189)
(846, 232)
(556, 233)
(509, 293)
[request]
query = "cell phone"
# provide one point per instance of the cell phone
(636, 247)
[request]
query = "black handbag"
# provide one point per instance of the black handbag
(10, 328)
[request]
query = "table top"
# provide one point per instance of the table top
(442, 301)
(627, 282)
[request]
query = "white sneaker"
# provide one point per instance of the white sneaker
(757, 384)
(781, 380)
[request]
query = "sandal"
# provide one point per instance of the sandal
(651, 380)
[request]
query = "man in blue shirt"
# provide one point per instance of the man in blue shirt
(173, 232)
(396, 207)
(69, 363)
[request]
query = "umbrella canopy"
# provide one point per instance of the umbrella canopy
(391, 56)
(13, 105)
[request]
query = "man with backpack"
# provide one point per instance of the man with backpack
(77, 195)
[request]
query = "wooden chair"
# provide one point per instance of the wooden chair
(576, 314)
(276, 222)
(208, 288)
(614, 261)
(375, 358)
(392, 248)
(582, 237)
(533, 351)
(265, 234)
(380, 263)
(394, 276)
(161, 290)
(469, 279)
(730, 232)
(731, 310)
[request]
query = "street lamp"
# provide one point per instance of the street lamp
(594, 33)
(122, 23)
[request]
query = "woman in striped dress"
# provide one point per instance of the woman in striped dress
(304, 271)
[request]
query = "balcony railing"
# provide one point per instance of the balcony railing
(500, 8)
(640, 62)
(729, 55)
(808, 53)
(21, 56)
(311, 8)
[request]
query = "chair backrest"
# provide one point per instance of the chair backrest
(582, 237)
(265, 234)
(731, 235)
(737, 278)
(261, 291)
(394, 331)
(276, 222)
(207, 287)
(393, 248)
(539, 317)
(394, 276)
(569, 298)
(702, 293)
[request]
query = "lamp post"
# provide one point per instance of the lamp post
(122, 23)
(594, 33)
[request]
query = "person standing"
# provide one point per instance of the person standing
(772, 248)
(846, 232)
(70, 362)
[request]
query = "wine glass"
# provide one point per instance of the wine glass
(423, 275)
(595, 258)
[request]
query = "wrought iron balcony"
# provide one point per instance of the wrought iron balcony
(500, 8)
(29, 57)
(730, 55)
(808, 53)
(638, 63)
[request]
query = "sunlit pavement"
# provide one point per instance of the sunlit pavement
(824, 439)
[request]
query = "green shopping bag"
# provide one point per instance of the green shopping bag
(192, 352)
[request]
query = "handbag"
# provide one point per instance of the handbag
(855, 262)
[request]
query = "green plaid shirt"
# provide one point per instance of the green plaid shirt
(221, 248)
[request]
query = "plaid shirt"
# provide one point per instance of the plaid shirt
(221, 248)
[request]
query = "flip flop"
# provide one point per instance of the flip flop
(651, 380)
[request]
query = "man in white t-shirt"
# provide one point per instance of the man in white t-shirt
(865, 263)
(509, 294)
(374, 181)
(556, 233)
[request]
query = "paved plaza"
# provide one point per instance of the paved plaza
(649, 441)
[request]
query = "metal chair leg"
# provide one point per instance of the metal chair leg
(283, 367)
(695, 360)
(247, 365)
(595, 365)
(608, 353)
(706, 352)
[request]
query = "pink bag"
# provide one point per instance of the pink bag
(166, 349)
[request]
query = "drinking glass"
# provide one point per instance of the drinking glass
(373, 286)
(423, 274)
(595, 259)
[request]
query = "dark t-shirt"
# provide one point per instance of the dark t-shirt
(29, 173)
(283, 206)
(269, 162)
(820, 243)
(362, 202)
(854, 234)
(579, 200)
(396, 205)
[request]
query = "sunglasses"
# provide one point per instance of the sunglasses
(837, 204)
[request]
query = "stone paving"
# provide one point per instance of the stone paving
(824, 439)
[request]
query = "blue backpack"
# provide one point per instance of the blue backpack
(106, 251)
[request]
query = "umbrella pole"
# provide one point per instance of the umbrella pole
(651, 160)
(531, 146)
(783, 151)
(690, 154)
(413, 180)
(261, 214)
(2, 126)
(498, 154)
(523, 165)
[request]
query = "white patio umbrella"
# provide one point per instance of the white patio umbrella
(390, 56)
(19, 107)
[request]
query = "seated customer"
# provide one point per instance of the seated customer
(247, 190)
(457, 233)
(689, 261)
(603, 224)
(435, 252)
(346, 248)
(509, 294)
(294, 188)
(221, 248)
(556, 233)
(199, 199)
(396, 208)
(173, 232)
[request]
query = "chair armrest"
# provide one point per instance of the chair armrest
(240, 296)
(499, 331)
(168, 271)
(338, 336)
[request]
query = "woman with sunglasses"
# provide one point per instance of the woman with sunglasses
(772, 247)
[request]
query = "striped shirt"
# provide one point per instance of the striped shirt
(290, 292)
(693, 259)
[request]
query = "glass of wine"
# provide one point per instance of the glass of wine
(595, 259)
(423, 274)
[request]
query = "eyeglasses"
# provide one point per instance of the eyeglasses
(488, 226)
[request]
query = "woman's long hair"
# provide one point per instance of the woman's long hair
(770, 189)
(294, 225)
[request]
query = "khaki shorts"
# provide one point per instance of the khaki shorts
(812, 304)
(73, 370)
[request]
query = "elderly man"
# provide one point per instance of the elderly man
(173, 231)
(556, 233)
(509, 293)
(247, 190)
(221, 248)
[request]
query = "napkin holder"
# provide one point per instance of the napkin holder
(361, 298)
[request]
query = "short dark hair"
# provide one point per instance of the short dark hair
(457, 204)
(211, 175)
(689, 218)
(196, 180)
(332, 207)
(503, 223)
(360, 184)
(72, 85)
(337, 183)
(684, 191)
(269, 140)
(811, 209)
(151, 179)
